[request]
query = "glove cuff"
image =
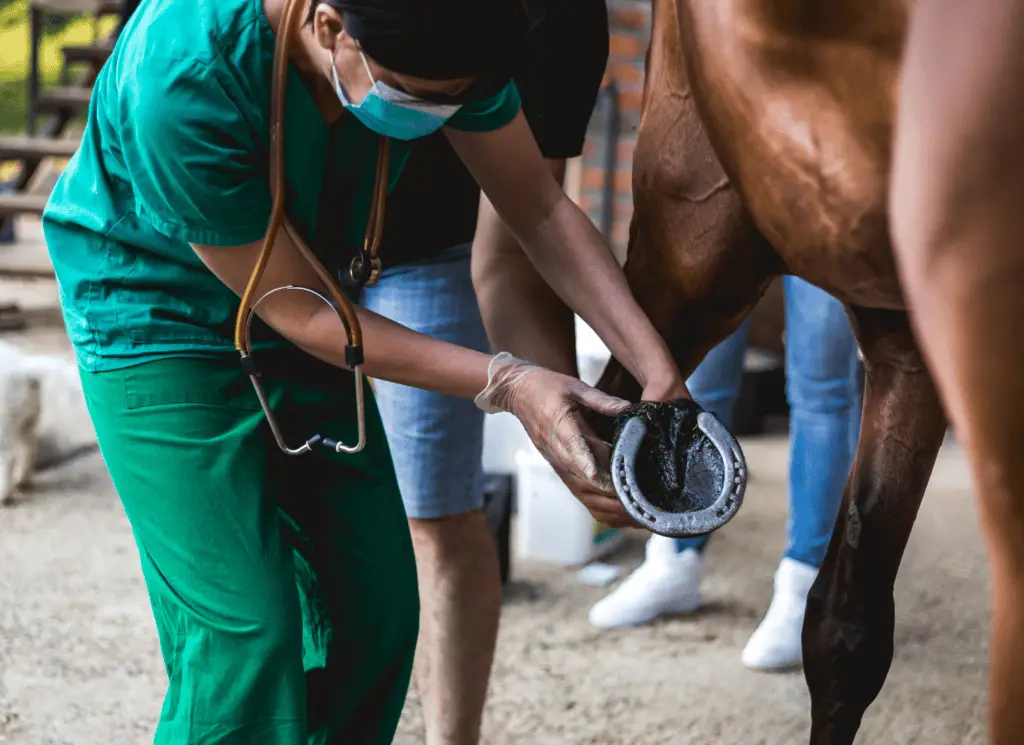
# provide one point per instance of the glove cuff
(485, 399)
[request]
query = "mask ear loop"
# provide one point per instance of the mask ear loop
(337, 78)
(336, 298)
(366, 65)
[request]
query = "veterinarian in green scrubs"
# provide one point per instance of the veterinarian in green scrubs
(283, 587)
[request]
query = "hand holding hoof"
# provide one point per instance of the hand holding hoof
(601, 501)
(677, 470)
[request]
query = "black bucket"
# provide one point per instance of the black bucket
(498, 491)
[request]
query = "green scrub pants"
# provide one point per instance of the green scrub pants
(284, 587)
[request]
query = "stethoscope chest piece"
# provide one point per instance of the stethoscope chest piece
(363, 271)
(677, 470)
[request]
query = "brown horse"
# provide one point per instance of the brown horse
(764, 149)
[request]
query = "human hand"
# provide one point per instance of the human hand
(666, 387)
(550, 407)
(602, 502)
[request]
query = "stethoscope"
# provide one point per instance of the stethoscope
(364, 269)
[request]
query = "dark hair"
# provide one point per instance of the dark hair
(437, 39)
(342, 6)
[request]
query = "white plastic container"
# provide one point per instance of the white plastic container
(552, 525)
(591, 353)
(504, 436)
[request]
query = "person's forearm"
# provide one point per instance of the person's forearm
(570, 253)
(393, 352)
(521, 313)
(566, 249)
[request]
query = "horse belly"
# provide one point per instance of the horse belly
(804, 132)
(822, 203)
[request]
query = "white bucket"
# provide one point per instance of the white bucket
(504, 436)
(591, 353)
(552, 525)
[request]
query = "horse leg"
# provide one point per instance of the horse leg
(957, 245)
(697, 288)
(696, 263)
(682, 284)
(848, 627)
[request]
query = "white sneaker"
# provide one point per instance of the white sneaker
(667, 583)
(775, 645)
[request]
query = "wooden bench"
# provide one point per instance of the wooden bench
(73, 7)
(62, 104)
(66, 98)
(95, 53)
(22, 204)
(108, 7)
(31, 148)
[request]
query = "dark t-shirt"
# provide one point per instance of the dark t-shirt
(434, 205)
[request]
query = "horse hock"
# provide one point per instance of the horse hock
(848, 626)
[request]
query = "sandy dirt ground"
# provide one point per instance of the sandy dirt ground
(79, 662)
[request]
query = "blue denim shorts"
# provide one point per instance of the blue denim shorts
(436, 440)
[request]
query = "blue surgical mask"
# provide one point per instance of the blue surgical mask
(394, 113)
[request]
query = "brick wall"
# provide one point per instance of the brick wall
(630, 22)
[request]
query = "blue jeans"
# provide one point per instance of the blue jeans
(823, 390)
(436, 440)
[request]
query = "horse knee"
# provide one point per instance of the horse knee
(848, 629)
(847, 643)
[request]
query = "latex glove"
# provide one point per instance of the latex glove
(549, 406)
(601, 502)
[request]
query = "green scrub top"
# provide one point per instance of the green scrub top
(175, 152)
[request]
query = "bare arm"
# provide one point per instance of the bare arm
(392, 352)
(521, 313)
(525, 316)
(547, 403)
(567, 249)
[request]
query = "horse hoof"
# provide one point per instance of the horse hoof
(677, 469)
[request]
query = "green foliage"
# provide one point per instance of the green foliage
(14, 55)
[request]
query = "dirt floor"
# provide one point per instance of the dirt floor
(79, 662)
